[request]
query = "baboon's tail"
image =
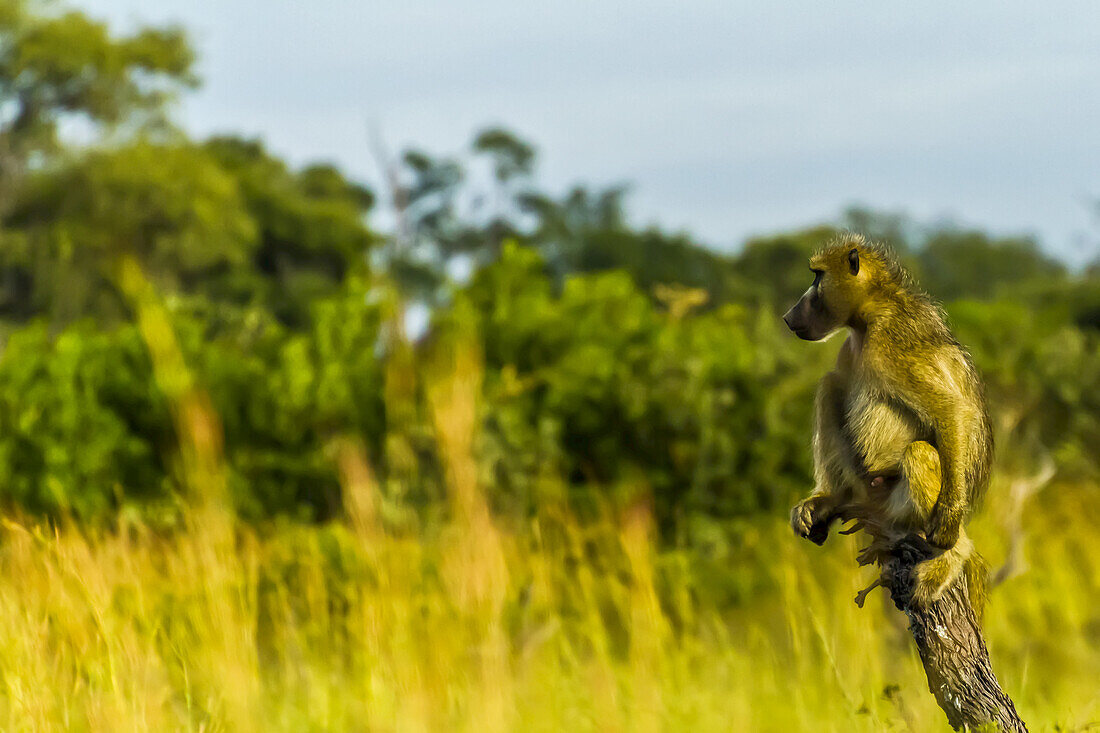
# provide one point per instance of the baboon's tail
(977, 583)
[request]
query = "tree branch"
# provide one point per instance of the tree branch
(951, 648)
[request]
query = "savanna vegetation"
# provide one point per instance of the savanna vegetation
(241, 492)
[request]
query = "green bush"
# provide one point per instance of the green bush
(591, 389)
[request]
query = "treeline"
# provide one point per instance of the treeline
(611, 357)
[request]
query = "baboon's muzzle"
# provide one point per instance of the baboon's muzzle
(797, 319)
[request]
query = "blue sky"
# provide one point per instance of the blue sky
(728, 118)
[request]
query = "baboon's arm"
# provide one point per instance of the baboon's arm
(811, 517)
(832, 455)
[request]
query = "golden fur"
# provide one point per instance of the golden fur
(902, 436)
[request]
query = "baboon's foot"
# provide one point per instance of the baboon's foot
(882, 581)
(811, 517)
(877, 552)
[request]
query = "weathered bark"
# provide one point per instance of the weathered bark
(952, 649)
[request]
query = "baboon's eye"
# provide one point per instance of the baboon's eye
(817, 276)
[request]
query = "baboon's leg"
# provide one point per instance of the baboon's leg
(911, 504)
(911, 501)
(835, 470)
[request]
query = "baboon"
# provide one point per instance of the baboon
(902, 438)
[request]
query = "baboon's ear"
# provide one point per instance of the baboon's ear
(853, 261)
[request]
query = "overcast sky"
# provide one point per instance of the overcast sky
(728, 118)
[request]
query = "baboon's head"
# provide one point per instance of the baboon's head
(842, 277)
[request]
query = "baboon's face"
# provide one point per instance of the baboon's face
(830, 300)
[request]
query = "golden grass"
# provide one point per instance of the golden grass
(487, 624)
(549, 625)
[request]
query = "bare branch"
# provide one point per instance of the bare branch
(399, 195)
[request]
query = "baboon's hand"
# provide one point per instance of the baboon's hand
(810, 519)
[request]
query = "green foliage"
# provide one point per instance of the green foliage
(511, 156)
(63, 64)
(170, 206)
(592, 384)
(283, 396)
(955, 264)
(310, 228)
(60, 66)
(223, 220)
(86, 431)
(83, 427)
(712, 410)
(1043, 376)
(775, 269)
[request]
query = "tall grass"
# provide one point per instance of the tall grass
(489, 623)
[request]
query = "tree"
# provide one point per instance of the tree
(54, 67)
(773, 270)
(171, 206)
(310, 225)
(448, 217)
(893, 229)
(223, 220)
(512, 161)
(442, 204)
(957, 263)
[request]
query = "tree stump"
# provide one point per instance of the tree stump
(951, 647)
